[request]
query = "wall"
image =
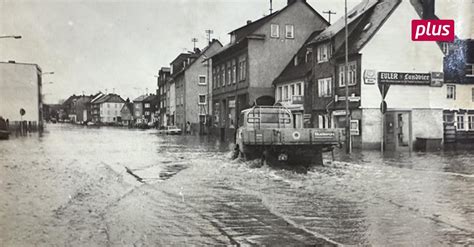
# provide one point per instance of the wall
(110, 111)
(19, 89)
(381, 53)
(172, 101)
(268, 58)
(464, 99)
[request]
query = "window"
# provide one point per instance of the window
(279, 93)
(324, 52)
(285, 93)
(460, 122)
(218, 81)
(229, 73)
(202, 80)
(351, 73)
(309, 52)
(234, 71)
(202, 99)
(242, 68)
(289, 31)
(147, 105)
(469, 70)
(214, 78)
(223, 75)
(451, 91)
(275, 31)
(292, 90)
(470, 122)
(472, 89)
(325, 87)
(298, 89)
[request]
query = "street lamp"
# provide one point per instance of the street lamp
(48, 73)
(11, 37)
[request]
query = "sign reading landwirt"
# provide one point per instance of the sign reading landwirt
(398, 78)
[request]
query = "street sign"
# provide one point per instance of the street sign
(383, 107)
(437, 79)
(370, 76)
(354, 98)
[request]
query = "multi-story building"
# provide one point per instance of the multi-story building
(150, 104)
(163, 92)
(95, 107)
(176, 99)
(20, 88)
(385, 65)
(138, 115)
(110, 106)
(126, 114)
(244, 70)
(192, 89)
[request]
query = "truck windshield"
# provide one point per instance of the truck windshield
(269, 117)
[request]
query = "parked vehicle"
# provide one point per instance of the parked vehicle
(268, 133)
(170, 130)
(4, 133)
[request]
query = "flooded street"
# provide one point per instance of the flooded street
(79, 186)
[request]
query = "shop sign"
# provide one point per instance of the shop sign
(339, 113)
(399, 78)
(437, 79)
(370, 76)
(351, 98)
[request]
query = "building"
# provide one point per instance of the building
(381, 62)
(193, 89)
(110, 106)
(244, 70)
(138, 115)
(150, 104)
(163, 92)
(20, 88)
(95, 107)
(458, 114)
(126, 114)
(68, 108)
(81, 109)
(176, 98)
(290, 84)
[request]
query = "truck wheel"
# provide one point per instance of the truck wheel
(235, 152)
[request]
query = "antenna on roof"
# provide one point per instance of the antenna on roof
(271, 7)
(329, 12)
(208, 33)
(194, 40)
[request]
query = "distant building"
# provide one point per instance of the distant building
(193, 89)
(163, 91)
(95, 107)
(138, 114)
(20, 88)
(126, 114)
(150, 104)
(68, 108)
(110, 106)
(244, 70)
(82, 109)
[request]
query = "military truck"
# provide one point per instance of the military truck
(268, 133)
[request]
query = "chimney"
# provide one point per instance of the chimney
(249, 21)
(428, 9)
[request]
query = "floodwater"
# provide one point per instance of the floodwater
(80, 186)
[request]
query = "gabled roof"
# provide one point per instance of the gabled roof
(197, 56)
(338, 26)
(150, 97)
(243, 32)
(140, 98)
(292, 72)
(71, 99)
(110, 98)
(97, 97)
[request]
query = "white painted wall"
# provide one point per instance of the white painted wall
(391, 49)
(19, 89)
(173, 99)
(464, 99)
(110, 111)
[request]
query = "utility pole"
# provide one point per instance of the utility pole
(208, 34)
(329, 12)
(346, 84)
(194, 40)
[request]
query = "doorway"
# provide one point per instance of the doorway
(398, 131)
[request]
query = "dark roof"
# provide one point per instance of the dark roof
(197, 56)
(70, 99)
(243, 32)
(150, 97)
(140, 98)
(292, 72)
(354, 14)
(113, 98)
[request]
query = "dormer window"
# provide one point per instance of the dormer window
(324, 52)
(295, 61)
(309, 52)
(275, 31)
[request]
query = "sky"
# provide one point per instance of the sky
(119, 45)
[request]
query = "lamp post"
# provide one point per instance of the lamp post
(346, 84)
(10, 37)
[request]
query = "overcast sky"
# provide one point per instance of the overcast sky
(94, 45)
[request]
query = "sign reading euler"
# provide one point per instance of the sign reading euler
(399, 78)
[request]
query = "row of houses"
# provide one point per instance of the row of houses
(295, 58)
(110, 109)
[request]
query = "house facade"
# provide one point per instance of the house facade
(138, 114)
(126, 114)
(163, 91)
(193, 89)
(95, 107)
(110, 106)
(384, 66)
(150, 104)
(244, 70)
